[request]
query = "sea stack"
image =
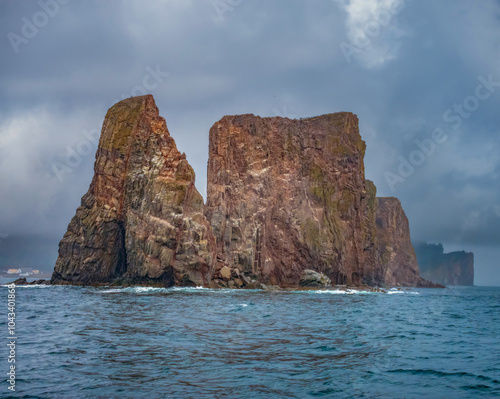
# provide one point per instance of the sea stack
(141, 221)
(287, 204)
(287, 195)
(396, 253)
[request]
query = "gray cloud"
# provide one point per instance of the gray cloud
(258, 58)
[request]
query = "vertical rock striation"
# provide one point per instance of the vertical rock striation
(373, 269)
(287, 195)
(141, 221)
(396, 254)
(287, 204)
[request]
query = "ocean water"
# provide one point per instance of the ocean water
(79, 342)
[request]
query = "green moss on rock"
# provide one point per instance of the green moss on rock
(121, 120)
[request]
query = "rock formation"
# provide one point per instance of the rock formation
(310, 278)
(396, 254)
(287, 205)
(454, 268)
(141, 222)
(374, 273)
(285, 195)
(423, 283)
(23, 281)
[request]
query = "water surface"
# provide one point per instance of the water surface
(78, 342)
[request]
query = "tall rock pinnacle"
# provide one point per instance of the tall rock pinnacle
(397, 256)
(141, 221)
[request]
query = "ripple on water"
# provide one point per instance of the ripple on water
(193, 342)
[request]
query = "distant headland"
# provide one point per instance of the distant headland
(454, 268)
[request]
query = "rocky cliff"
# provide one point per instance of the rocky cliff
(287, 204)
(374, 272)
(454, 268)
(396, 254)
(287, 195)
(141, 221)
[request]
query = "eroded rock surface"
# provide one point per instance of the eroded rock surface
(287, 195)
(423, 283)
(396, 253)
(310, 278)
(141, 221)
(287, 205)
(23, 281)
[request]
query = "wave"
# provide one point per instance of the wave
(439, 373)
(32, 286)
(356, 292)
(152, 290)
(138, 290)
(343, 292)
(146, 290)
(349, 291)
(399, 291)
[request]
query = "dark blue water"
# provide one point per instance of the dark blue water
(76, 342)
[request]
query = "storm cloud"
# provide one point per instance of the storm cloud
(409, 69)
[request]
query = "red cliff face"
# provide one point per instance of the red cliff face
(287, 195)
(287, 204)
(396, 254)
(142, 219)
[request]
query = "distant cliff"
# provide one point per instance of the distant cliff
(454, 268)
(287, 203)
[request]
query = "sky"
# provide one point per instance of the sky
(422, 76)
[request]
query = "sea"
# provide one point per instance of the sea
(142, 342)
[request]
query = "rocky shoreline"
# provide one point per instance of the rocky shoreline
(310, 280)
(262, 287)
(23, 281)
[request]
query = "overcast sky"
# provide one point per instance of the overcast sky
(423, 77)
